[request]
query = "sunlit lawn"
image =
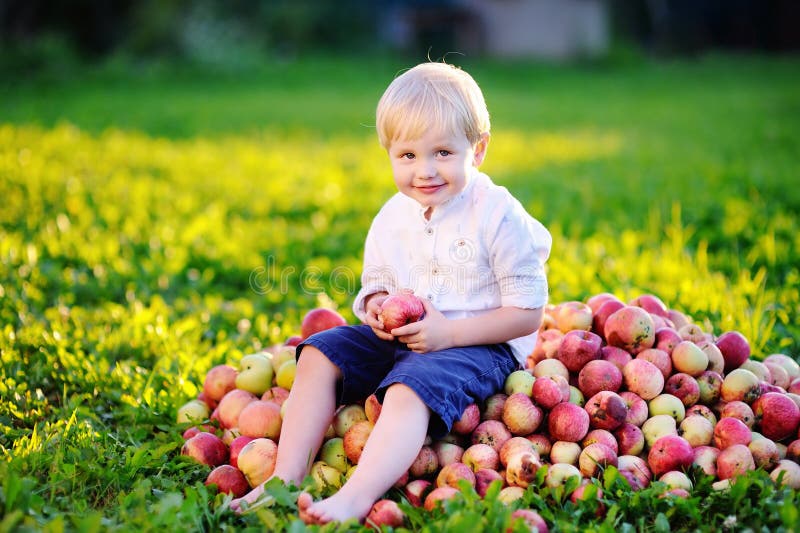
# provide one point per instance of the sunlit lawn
(155, 224)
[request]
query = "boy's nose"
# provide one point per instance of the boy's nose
(426, 169)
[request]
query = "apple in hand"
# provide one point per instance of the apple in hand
(255, 374)
(399, 309)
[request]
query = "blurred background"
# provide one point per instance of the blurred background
(36, 34)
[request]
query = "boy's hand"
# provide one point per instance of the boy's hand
(373, 310)
(434, 332)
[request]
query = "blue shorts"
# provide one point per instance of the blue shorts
(446, 380)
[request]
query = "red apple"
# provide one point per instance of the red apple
(666, 339)
(231, 405)
(261, 419)
(734, 461)
(659, 358)
(520, 415)
(706, 458)
(385, 512)
(777, 415)
(533, 521)
(549, 391)
(735, 349)
(635, 470)
(669, 452)
(630, 328)
(600, 316)
(491, 432)
(602, 436)
(684, 387)
(493, 407)
(594, 458)
(372, 408)
(480, 456)
(617, 356)
(484, 477)
(730, 431)
(206, 448)
(416, 490)
(606, 410)
(229, 480)
(740, 410)
(594, 302)
(399, 309)
(546, 346)
(439, 495)
(425, 464)
(452, 474)
(513, 446)
(599, 375)
(320, 319)
(638, 410)
(220, 380)
(448, 452)
(577, 348)
(568, 422)
(355, 438)
(652, 304)
(521, 469)
(257, 460)
(276, 394)
(643, 378)
(235, 447)
(630, 439)
(469, 420)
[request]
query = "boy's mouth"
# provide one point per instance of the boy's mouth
(429, 189)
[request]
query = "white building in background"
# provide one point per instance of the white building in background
(545, 29)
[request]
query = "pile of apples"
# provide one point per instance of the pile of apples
(635, 385)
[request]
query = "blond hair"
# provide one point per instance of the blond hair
(431, 95)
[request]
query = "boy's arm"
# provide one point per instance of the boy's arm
(437, 332)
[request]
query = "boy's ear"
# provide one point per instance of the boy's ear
(480, 149)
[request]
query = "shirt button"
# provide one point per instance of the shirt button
(429, 231)
(430, 297)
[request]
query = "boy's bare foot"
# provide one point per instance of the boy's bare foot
(337, 508)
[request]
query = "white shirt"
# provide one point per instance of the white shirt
(479, 251)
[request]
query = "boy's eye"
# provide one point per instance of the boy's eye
(407, 155)
(444, 153)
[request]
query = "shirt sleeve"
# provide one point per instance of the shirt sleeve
(519, 246)
(376, 275)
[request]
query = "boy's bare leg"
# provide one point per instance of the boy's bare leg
(312, 402)
(390, 450)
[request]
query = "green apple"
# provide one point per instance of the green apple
(519, 381)
(255, 374)
(326, 477)
(332, 452)
(667, 404)
(193, 411)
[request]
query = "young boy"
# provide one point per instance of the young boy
(474, 256)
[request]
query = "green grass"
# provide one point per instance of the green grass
(154, 223)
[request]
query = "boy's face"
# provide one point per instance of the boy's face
(434, 168)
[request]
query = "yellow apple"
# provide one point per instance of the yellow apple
(255, 374)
